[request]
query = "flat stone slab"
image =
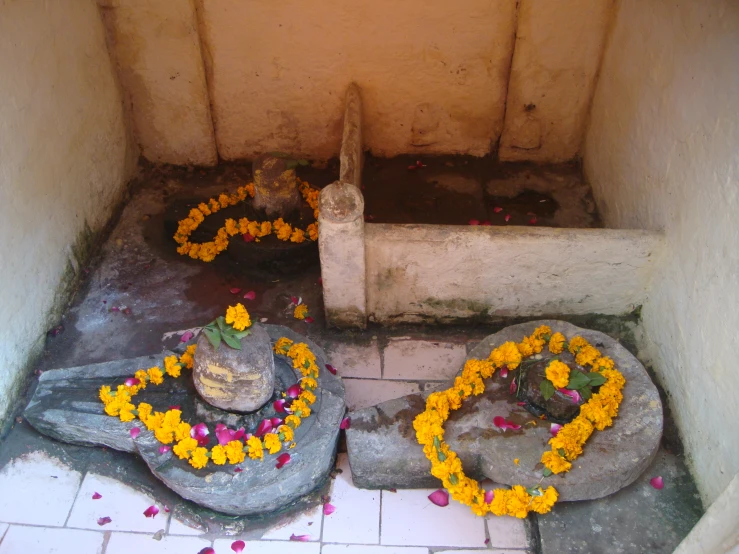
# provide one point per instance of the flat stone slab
(65, 406)
(383, 451)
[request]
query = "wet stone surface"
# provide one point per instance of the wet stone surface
(65, 407)
(383, 451)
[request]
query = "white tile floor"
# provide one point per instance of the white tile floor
(46, 507)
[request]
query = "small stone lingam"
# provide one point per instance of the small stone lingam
(236, 380)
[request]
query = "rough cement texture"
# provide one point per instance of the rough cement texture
(654, 164)
(341, 245)
(637, 520)
(65, 406)
(493, 272)
(275, 186)
(559, 45)
(236, 380)
(383, 451)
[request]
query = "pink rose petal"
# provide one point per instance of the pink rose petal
(134, 432)
(532, 221)
(572, 394)
(164, 449)
(473, 222)
(275, 421)
(241, 432)
(294, 391)
(207, 550)
(186, 336)
(251, 295)
(345, 423)
(248, 237)
(104, 520)
(300, 538)
(309, 319)
(151, 511)
(131, 382)
(497, 209)
(238, 470)
(279, 406)
(412, 167)
(295, 300)
(166, 508)
(199, 431)
(489, 495)
(238, 546)
(486, 224)
(97, 496)
(440, 498)
(508, 217)
(331, 369)
(264, 427)
(554, 429)
(328, 509)
(501, 423)
(657, 482)
(115, 309)
(174, 407)
(282, 459)
(235, 290)
(512, 389)
(504, 372)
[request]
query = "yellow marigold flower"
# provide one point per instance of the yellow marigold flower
(284, 232)
(255, 448)
(194, 252)
(253, 228)
(524, 347)
(307, 396)
(554, 462)
(207, 252)
(188, 357)
(506, 354)
(300, 312)
(599, 364)
(204, 208)
(144, 410)
(596, 414)
(243, 225)
(164, 434)
(576, 344)
(199, 458)
(614, 378)
(300, 408)
(265, 228)
(171, 367)
(155, 375)
(298, 236)
(543, 504)
(282, 346)
(238, 317)
(286, 433)
(309, 383)
(572, 437)
(142, 376)
(126, 413)
(182, 431)
(558, 373)
(293, 421)
(231, 227)
(313, 231)
(105, 395)
(218, 455)
(518, 502)
(154, 421)
(235, 452)
(184, 447)
(224, 200)
(499, 505)
(586, 355)
(557, 343)
(272, 443)
(184, 248)
(541, 332)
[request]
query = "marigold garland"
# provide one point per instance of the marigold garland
(168, 427)
(597, 413)
(207, 251)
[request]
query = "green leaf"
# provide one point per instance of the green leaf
(437, 443)
(561, 452)
(578, 380)
(213, 336)
(231, 341)
(221, 321)
(535, 491)
(441, 456)
(303, 162)
(547, 472)
(453, 479)
(241, 334)
(596, 379)
(547, 389)
(586, 393)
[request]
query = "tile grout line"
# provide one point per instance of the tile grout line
(379, 523)
(76, 496)
(2, 537)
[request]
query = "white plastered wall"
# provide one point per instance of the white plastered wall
(662, 152)
(64, 159)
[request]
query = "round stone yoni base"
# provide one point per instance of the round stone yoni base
(235, 380)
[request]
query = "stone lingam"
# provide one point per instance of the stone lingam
(238, 389)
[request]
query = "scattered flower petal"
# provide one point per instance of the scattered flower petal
(504, 372)
(573, 394)
(300, 538)
(501, 423)
(251, 295)
(97, 496)
(199, 431)
(263, 320)
(474, 222)
(309, 319)
(411, 167)
(295, 300)
(532, 221)
(516, 461)
(276, 422)
(657, 482)
(207, 550)
(115, 309)
(440, 498)
(486, 224)
(520, 403)
(282, 460)
(489, 495)
(104, 520)
(238, 470)
(175, 407)
(248, 237)
(497, 209)
(508, 217)
(279, 406)
(186, 336)
(513, 388)
(331, 369)
(166, 508)
(294, 391)
(264, 427)
(419, 164)
(131, 382)
(235, 290)
(151, 511)
(554, 429)
(134, 432)
(238, 546)
(345, 423)
(164, 449)
(328, 509)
